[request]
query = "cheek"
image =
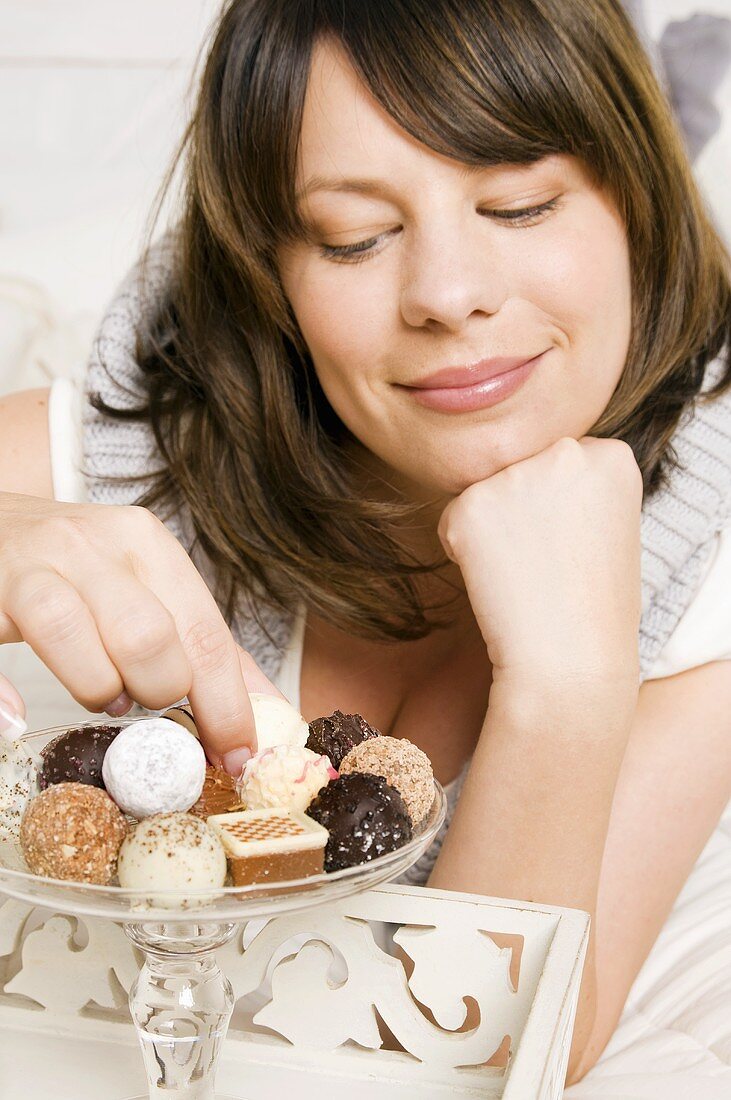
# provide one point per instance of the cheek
(335, 311)
(343, 317)
(584, 283)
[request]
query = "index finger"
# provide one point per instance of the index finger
(217, 694)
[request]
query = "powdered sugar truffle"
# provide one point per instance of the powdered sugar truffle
(154, 766)
(284, 775)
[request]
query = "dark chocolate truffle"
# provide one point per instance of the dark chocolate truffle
(76, 756)
(337, 734)
(364, 816)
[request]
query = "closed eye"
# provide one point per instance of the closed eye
(362, 250)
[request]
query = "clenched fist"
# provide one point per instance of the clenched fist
(549, 549)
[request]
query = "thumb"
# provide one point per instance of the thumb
(12, 711)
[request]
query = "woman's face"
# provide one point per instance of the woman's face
(449, 281)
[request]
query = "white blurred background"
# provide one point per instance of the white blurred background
(94, 95)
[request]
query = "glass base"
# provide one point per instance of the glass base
(219, 1096)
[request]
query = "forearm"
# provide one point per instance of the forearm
(533, 816)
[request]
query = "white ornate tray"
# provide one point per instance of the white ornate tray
(320, 1002)
(64, 984)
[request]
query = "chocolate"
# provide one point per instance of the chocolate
(76, 756)
(172, 852)
(402, 764)
(284, 775)
(270, 845)
(72, 831)
(218, 796)
(364, 816)
(337, 733)
(154, 766)
(184, 717)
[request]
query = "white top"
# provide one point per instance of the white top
(703, 633)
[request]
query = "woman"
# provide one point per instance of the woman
(415, 362)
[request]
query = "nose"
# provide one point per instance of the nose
(449, 274)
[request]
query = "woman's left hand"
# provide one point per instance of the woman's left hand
(549, 549)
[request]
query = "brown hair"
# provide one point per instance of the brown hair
(248, 441)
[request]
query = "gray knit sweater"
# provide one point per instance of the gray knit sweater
(678, 524)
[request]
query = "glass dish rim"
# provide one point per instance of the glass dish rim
(435, 817)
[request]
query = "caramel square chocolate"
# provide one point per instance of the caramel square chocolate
(270, 845)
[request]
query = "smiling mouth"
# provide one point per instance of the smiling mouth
(472, 374)
(469, 389)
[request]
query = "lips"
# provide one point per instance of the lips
(470, 389)
(471, 375)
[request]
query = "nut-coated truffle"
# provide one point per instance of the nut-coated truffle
(402, 764)
(72, 831)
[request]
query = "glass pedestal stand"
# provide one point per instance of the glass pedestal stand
(181, 1002)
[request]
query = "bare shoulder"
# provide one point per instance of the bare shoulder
(25, 450)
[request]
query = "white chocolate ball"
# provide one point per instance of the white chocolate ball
(277, 722)
(284, 775)
(172, 852)
(18, 783)
(154, 766)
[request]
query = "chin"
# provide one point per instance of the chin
(447, 481)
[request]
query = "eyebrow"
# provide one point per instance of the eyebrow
(363, 186)
(353, 186)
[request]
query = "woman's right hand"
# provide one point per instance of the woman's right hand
(110, 601)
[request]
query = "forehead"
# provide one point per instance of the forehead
(347, 134)
(343, 126)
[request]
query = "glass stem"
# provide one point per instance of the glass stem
(181, 1003)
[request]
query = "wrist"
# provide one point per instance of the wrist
(565, 705)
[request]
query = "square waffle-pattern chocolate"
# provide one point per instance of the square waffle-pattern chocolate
(256, 832)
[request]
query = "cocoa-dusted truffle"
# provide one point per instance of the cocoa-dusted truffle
(72, 831)
(402, 764)
(338, 733)
(76, 756)
(219, 795)
(174, 851)
(364, 816)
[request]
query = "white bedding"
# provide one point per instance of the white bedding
(673, 1041)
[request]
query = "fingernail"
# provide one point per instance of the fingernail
(12, 725)
(119, 706)
(233, 762)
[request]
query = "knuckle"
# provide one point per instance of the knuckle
(450, 528)
(144, 638)
(142, 519)
(567, 447)
(625, 461)
(57, 610)
(208, 644)
(69, 531)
